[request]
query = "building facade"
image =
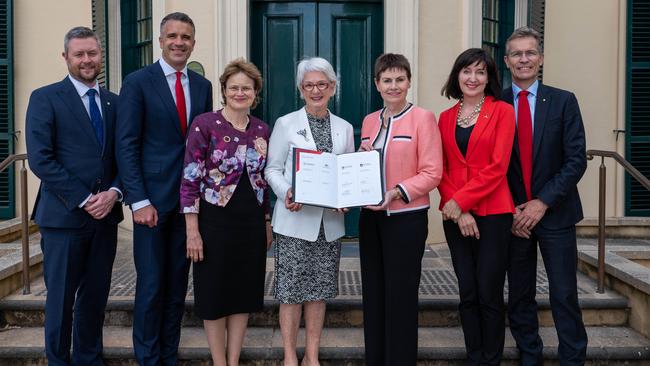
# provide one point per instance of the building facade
(600, 50)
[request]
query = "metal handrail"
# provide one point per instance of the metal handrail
(24, 217)
(636, 174)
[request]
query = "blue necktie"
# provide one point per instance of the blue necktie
(95, 116)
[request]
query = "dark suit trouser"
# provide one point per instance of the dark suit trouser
(162, 271)
(77, 271)
(391, 250)
(559, 252)
(480, 266)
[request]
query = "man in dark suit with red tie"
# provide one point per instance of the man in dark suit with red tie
(70, 134)
(157, 105)
(547, 162)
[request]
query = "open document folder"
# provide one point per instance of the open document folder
(337, 181)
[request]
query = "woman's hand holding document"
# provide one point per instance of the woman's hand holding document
(337, 181)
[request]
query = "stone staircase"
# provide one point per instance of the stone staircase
(607, 316)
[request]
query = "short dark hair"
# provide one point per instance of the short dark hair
(247, 68)
(526, 32)
(467, 58)
(181, 17)
(389, 61)
(81, 33)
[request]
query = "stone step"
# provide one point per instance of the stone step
(11, 230)
(339, 346)
(604, 310)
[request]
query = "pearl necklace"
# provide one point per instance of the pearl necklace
(234, 125)
(465, 121)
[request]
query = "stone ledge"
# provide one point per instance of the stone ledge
(442, 343)
(620, 267)
(10, 230)
(11, 263)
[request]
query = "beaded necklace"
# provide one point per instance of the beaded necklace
(465, 121)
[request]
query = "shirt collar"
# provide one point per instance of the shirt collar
(82, 88)
(168, 70)
(531, 89)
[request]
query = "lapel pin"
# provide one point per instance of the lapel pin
(303, 133)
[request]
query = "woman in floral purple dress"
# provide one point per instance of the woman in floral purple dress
(225, 202)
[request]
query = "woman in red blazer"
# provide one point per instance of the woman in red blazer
(477, 135)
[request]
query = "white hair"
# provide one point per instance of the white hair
(310, 64)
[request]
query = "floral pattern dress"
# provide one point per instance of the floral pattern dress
(305, 270)
(223, 183)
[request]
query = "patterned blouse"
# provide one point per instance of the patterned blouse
(215, 156)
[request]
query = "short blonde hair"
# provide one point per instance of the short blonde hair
(247, 68)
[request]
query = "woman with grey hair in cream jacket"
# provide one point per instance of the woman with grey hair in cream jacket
(308, 245)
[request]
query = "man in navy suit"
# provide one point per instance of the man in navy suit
(70, 146)
(157, 104)
(547, 162)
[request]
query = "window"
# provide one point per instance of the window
(536, 15)
(498, 24)
(100, 26)
(637, 198)
(137, 46)
(7, 203)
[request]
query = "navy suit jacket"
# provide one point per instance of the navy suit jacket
(559, 157)
(64, 153)
(150, 145)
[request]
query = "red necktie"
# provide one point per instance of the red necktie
(525, 138)
(180, 103)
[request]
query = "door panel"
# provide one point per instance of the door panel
(347, 34)
(351, 37)
(281, 35)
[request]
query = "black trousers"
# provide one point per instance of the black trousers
(480, 266)
(560, 255)
(391, 250)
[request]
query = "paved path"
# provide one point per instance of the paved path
(438, 279)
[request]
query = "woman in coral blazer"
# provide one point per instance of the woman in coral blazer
(477, 135)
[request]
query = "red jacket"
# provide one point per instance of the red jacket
(412, 155)
(478, 181)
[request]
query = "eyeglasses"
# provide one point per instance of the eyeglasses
(520, 54)
(237, 89)
(322, 85)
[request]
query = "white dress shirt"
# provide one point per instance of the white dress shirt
(82, 90)
(170, 74)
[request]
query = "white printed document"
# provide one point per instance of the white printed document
(337, 181)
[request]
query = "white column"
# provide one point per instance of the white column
(521, 13)
(231, 37)
(114, 39)
(401, 35)
(157, 14)
(472, 23)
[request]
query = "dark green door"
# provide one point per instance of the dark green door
(349, 34)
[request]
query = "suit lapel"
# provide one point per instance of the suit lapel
(542, 101)
(194, 96)
(160, 85)
(451, 133)
(508, 97)
(107, 113)
(71, 98)
(483, 121)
